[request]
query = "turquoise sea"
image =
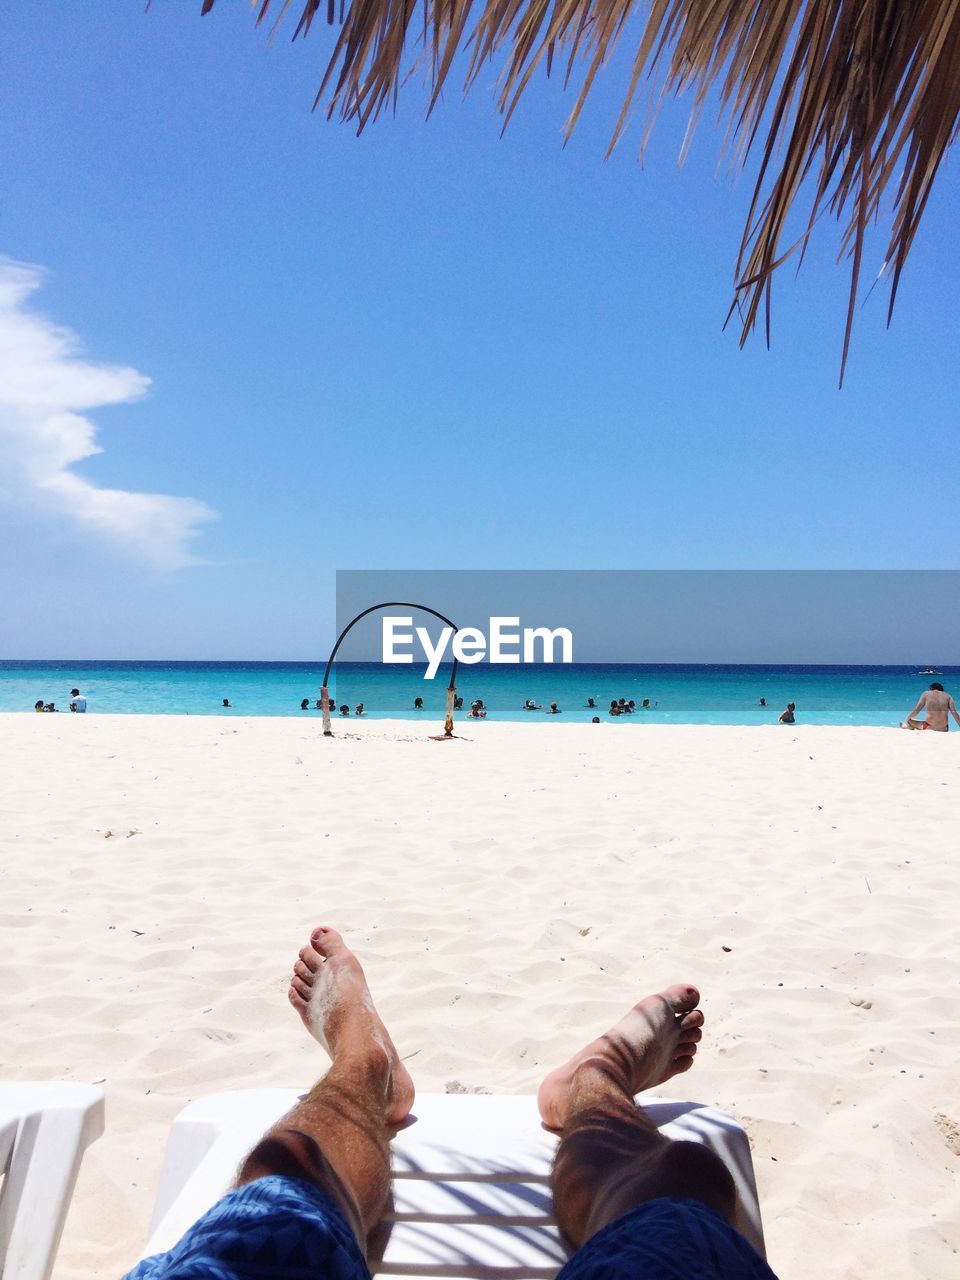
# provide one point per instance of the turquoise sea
(679, 694)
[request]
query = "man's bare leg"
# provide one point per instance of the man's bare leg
(338, 1135)
(610, 1156)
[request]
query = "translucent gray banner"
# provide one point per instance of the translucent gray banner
(875, 617)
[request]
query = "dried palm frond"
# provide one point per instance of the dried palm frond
(843, 99)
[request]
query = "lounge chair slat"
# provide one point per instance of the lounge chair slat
(447, 1199)
(45, 1127)
(451, 1248)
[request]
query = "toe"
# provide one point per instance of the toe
(310, 957)
(681, 998)
(296, 999)
(682, 1064)
(326, 940)
(689, 1037)
(300, 987)
(303, 970)
(690, 1020)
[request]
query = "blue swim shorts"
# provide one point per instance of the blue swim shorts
(667, 1239)
(275, 1228)
(280, 1228)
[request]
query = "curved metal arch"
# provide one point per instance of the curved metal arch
(390, 604)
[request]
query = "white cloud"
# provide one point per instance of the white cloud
(46, 388)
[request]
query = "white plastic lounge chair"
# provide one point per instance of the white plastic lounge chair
(44, 1130)
(470, 1178)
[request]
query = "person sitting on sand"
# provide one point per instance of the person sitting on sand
(787, 716)
(554, 710)
(49, 706)
(311, 1192)
(79, 702)
(938, 705)
(304, 704)
(38, 705)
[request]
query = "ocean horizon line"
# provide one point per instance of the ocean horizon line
(447, 666)
(675, 692)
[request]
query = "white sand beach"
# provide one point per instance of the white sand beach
(510, 894)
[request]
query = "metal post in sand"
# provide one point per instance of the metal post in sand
(448, 733)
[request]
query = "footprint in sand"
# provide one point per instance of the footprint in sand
(950, 1132)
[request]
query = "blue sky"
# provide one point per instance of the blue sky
(428, 347)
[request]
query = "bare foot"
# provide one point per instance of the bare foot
(656, 1040)
(329, 991)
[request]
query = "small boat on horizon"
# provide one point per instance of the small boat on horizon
(929, 671)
